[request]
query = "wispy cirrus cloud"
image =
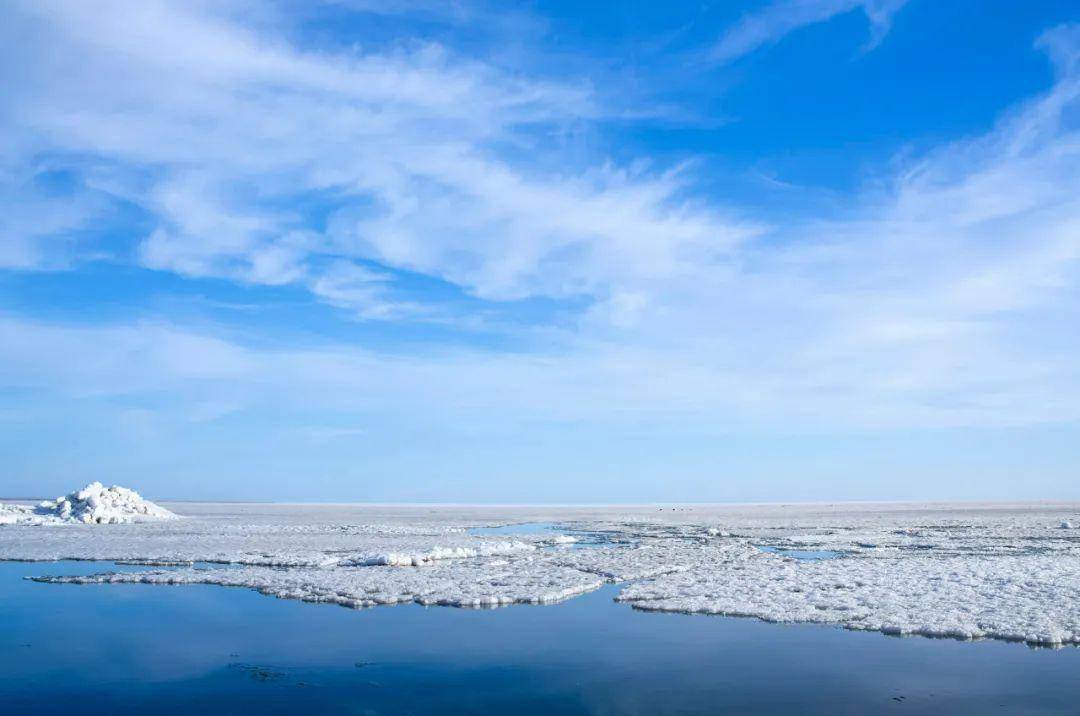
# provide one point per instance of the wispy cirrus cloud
(217, 134)
(775, 21)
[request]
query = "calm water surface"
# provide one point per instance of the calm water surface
(202, 649)
(585, 539)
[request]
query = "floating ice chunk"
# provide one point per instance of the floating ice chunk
(1031, 598)
(94, 504)
(458, 585)
(1069, 525)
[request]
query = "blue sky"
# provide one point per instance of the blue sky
(549, 251)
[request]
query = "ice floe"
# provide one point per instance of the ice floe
(1027, 598)
(460, 585)
(969, 572)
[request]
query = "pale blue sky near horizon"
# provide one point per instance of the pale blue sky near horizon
(398, 250)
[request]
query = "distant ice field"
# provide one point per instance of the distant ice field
(1008, 572)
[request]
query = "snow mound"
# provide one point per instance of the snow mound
(95, 504)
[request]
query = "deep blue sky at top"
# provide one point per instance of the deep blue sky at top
(803, 249)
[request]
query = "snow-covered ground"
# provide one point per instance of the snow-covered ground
(970, 571)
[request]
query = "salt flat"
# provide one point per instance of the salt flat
(999, 571)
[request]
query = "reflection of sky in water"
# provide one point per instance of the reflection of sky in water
(108, 648)
(521, 528)
(544, 529)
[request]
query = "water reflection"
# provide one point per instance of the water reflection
(129, 648)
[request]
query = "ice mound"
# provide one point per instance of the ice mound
(95, 504)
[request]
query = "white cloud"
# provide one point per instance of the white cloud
(212, 129)
(777, 20)
(948, 297)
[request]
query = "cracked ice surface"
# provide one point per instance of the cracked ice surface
(976, 571)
